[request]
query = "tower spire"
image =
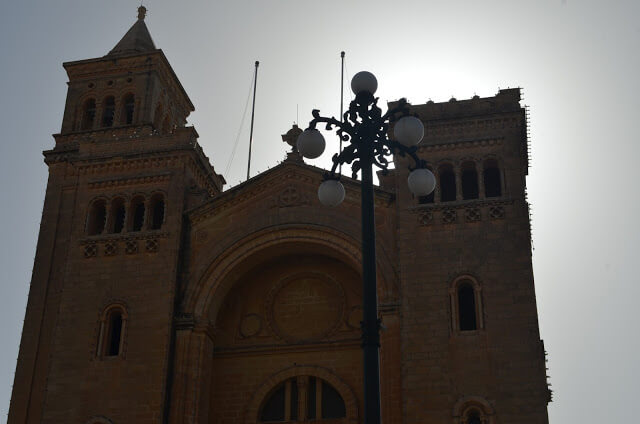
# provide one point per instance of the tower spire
(137, 39)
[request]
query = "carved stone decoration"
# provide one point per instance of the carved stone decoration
(472, 214)
(250, 325)
(290, 197)
(425, 218)
(151, 245)
(496, 212)
(449, 216)
(201, 236)
(131, 247)
(305, 307)
(110, 248)
(90, 250)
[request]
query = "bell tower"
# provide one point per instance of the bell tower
(97, 338)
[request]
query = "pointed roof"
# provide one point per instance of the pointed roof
(137, 39)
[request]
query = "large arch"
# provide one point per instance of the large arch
(205, 297)
(349, 397)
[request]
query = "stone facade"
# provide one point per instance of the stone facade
(158, 297)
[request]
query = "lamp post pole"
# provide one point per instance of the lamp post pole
(366, 128)
(370, 322)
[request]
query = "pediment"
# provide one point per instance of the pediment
(288, 185)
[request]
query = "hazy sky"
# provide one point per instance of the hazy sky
(577, 61)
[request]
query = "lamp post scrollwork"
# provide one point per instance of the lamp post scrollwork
(365, 131)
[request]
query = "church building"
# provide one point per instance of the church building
(157, 296)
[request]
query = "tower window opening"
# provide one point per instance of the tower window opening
(108, 112)
(157, 211)
(128, 109)
(492, 181)
(469, 181)
(118, 214)
(88, 114)
(97, 217)
(447, 184)
(137, 219)
(466, 307)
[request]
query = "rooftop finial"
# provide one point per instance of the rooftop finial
(142, 12)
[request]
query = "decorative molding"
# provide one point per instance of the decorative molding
(453, 145)
(139, 235)
(126, 181)
(468, 211)
(451, 129)
(336, 299)
(115, 244)
(290, 197)
(247, 191)
(461, 204)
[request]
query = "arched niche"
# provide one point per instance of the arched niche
(205, 297)
(290, 294)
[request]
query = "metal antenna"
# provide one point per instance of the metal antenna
(253, 112)
(341, 100)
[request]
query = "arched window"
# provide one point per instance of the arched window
(303, 398)
(137, 214)
(469, 181)
(466, 306)
(88, 114)
(112, 331)
(473, 410)
(128, 105)
(108, 111)
(157, 117)
(492, 180)
(118, 214)
(156, 211)
(97, 217)
(447, 184)
(473, 418)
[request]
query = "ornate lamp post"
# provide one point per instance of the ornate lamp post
(365, 129)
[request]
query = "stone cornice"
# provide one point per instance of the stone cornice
(169, 150)
(139, 235)
(459, 145)
(132, 180)
(460, 127)
(275, 349)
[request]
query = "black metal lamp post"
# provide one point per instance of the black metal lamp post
(365, 128)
